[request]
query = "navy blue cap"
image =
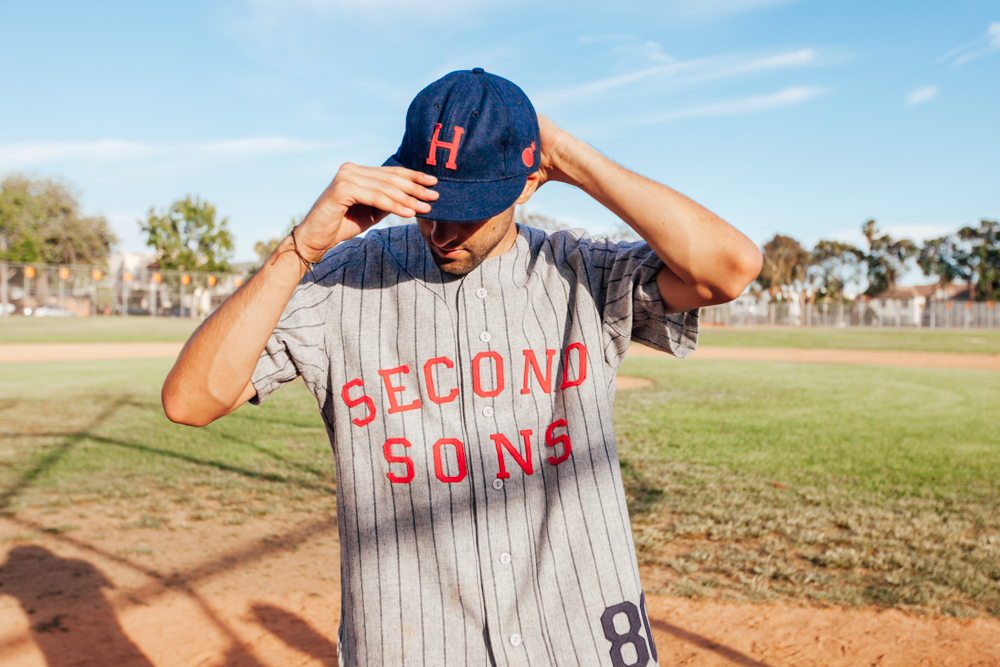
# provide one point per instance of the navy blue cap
(478, 133)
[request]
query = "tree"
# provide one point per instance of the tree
(946, 258)
(538, 221)
(971, 254)
(188, 237)
(833, 265)
(886, 258)
(40, 221)
(785, 264)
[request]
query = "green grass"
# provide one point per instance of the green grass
(983, 341)
(94, 329)
(851, 485)
(94, 432)
(833, 484)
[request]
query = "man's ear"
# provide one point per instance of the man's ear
(529, 188)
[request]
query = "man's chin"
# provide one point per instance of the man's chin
(456, 267)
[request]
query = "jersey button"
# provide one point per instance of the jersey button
(515, 639)
(485, 336)
(505, 558)
(481, 292)
(498, 484)
(488, 411)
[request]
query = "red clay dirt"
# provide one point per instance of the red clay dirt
(12, 353)
(267, 593)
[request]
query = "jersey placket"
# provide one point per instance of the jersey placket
(501, 527)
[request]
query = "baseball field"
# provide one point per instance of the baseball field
(784, 513)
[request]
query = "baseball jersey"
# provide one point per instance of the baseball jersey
(480, 507)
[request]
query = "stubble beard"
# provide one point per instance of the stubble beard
(478, 253)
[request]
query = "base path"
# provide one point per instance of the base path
(13, 353)
(25, 353)
(803, 355)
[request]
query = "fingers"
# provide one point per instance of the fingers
(392, 189)
(359, 197)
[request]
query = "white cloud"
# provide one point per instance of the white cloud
(681, 72)
(921, 95)
(20, 156)
(984, 46)
(737, 107)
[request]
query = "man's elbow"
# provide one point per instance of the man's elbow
(180, 411)
(744, 267)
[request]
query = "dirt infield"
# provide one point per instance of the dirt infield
(12, 353)
(833, 356)
(268, 593)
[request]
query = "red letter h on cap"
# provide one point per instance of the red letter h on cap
(452, 147)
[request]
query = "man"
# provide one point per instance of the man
(465, 369)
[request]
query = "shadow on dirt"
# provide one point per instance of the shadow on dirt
(71, 622)
(296, 633)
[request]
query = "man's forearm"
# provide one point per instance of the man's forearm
(708, 260)
(212, 375)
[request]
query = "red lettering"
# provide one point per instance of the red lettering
(477, 384)
(582, 358)
(559, 440)
(439, 464)
(452, 147)
(392, 390)
(387, 450)
(429, 379)
(531, 364)
(354, 402)
(525, 462)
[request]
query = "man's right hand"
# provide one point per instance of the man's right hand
(358, 198)
(212, 375)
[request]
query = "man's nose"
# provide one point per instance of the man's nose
(444, 233)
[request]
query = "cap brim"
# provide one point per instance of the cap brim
(462, 201)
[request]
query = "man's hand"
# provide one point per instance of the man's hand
(358, 198)
(556, 143)
(707, 260)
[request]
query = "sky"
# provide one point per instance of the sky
(800, 117)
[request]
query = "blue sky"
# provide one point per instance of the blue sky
(802, 117)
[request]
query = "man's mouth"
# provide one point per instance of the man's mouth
(449, 254)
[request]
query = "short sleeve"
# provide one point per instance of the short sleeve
(623, 281)
(297, 345)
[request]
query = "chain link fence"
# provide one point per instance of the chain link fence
(50, 290)
(898, 313)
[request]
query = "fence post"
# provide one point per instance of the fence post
(29, 273)
(124, 295)
(3, 288)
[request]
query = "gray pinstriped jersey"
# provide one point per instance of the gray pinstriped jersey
(481, 513)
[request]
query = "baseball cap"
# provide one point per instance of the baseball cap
(478, 134)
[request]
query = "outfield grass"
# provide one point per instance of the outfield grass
(848, 484)
(94, 432)
(984, 341)
(852, 485)
(94, 329)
